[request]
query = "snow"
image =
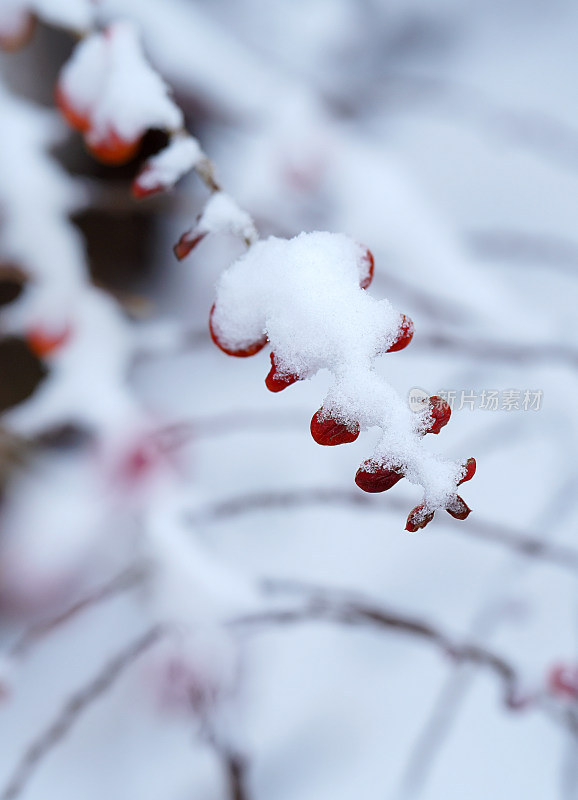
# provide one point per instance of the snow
(76, 15)
(223, 215)
(304, 294)
(411, 126)
(163, 170)
(109, 77)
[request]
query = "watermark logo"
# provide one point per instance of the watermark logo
(416, 398)
(482, 399)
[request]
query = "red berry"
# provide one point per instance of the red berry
(276, 381)
(43, 343)
(470, 471)
(563, 680)
(404, 335)
(366, 268)
(19, 36)
(328, 431)
(376, 480)
(242, 352)
(458, 508)
(418, 518)
(139, 191)
(112, 149)
(186, 243)
(441, 413)
(79, 120)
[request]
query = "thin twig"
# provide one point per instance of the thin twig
(126, 580)
(495, 350)
(324, 604)
(527, 545)
(73, 708)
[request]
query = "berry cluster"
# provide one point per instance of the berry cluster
(330, 426)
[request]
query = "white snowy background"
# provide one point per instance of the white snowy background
(444, 137)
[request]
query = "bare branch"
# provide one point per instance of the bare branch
(73, 708)
(236, 773)
(527, 545)
(123, 582)
(334, 605)
(495, 350)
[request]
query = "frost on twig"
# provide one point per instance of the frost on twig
(305, 297)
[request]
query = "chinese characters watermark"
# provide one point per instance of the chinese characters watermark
(482, 399)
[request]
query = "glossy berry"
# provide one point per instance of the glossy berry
(470, 471)
(458, 509)
(563, 680)
(366, 269)
(376, 480)
(77, 119)
(418, 518)
(277, 381)
(44, 343)
(328, 431)
(404, 335)
(440, 412)
(242, 352)
(112, 149)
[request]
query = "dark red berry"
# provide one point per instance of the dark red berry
(366, 269)
(328, 431)
(404, 335)
(418, 518)
(242, 352)
(377, 480)
(277, 381)
(441, 413)
(458, 508)
(186, 243)
(470, 471)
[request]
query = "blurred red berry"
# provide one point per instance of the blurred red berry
(563, 680)
(43, 343)
(112, 149)
(79, 120)
(186, 243)
(20, 35)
